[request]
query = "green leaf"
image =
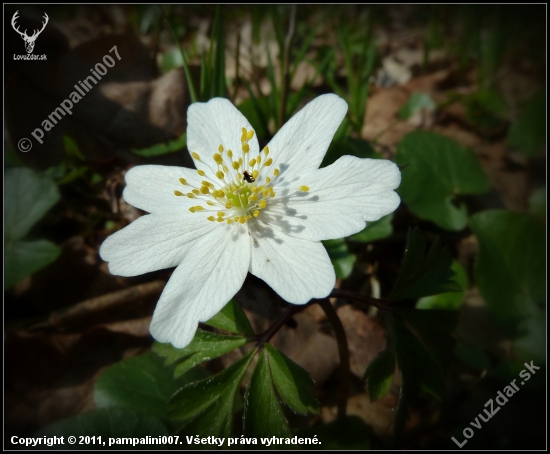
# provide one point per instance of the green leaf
(71, 148)
(341, 258)
(376, 230)
(422, 360)
(204, 347)
(171, 59)
(451, 300)
(528, 133)
(263, 416)
(293, 383)
(424, 274)
(510, 267)
(29, 196)
(116, 423)
(348, 146)
(141, 383)
(347, 433)
(163, 148)
(232, 318)
(435, 170)
(379, 374)
(23, 258)
(206, 407)
(417, 101)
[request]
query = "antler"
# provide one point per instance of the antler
(13, 19)
(36, 32)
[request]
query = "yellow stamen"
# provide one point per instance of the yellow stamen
(304, 188)
(211, 218)
(220, 174)
(230, 154)
(183, 181)
(242, 220)
(246, 148)
(196, 191)
(256, 213)
(255, 174)
(210, 203)
(190, 195)
(221, 214)
(268, 162)
(252, 163)
(196, 156)
(218, 158)
(276, 172)
(249, 134)
(179, 194)
(268, 180)
(236, 165)
(262, 203)
(205, 190)
(266, 150)
(220, 148)
(201, 173)
(230, 221)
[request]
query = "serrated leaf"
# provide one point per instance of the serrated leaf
(141, 383)
(232, 318)
(451, 300)
(208, 405)
(341, 258)
(204, 347)
(528, 133)
(163, 148)
(263, 416)
(420, 368)
(376, 230)
(23, 258)
(510, 267)
(416, 102)
(29, 196)
(349, 433)
(435, 170)
(424, 274)
(106, 423)
(293, 383)
(379, 374)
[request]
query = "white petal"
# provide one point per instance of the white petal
(303, 141)
(297, 270)
(215, 123)
(207, 278)
(151, 188)
(341, 198)
(154, 242)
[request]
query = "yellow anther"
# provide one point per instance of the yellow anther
(190, 195)
(237, 218)
(252, 163)
(196, 191)
(211, 218)
(228, 205)
(225, 168)
(235, 165)
(218, 158)
(207, 183)
(201, 173)
(220, 219)
(255, 174)
(242, 220)
(276, 172)
(192, 209)
(220, 174)
(199, 208)
(262, 203)
(253, 198)
(256, 213)
(241, 161)
(246, 148)
(220, 148)
(205, 189)
(304, 188)
(243, 130)
(196, 156)
(259, 159)
(268, 162)
(248, 217)
(229, 221)
(266, 150)
(221, 214)
(221, 193)
(249, 134)
(268, 180)
(209, 202)
(271, 191)
(255, 189)
(261, 187)
(183, 181)
(230, 154)
(179, 194)
(265, 192)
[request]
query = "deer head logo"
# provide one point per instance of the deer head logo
(29, 40)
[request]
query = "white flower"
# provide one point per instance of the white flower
(246, 210)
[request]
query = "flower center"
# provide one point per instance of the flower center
(240, 191)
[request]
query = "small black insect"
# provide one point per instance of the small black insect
(248, 178)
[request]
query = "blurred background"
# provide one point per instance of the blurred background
(473, 75)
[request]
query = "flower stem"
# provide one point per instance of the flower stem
(343, 352)
(346, 294)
